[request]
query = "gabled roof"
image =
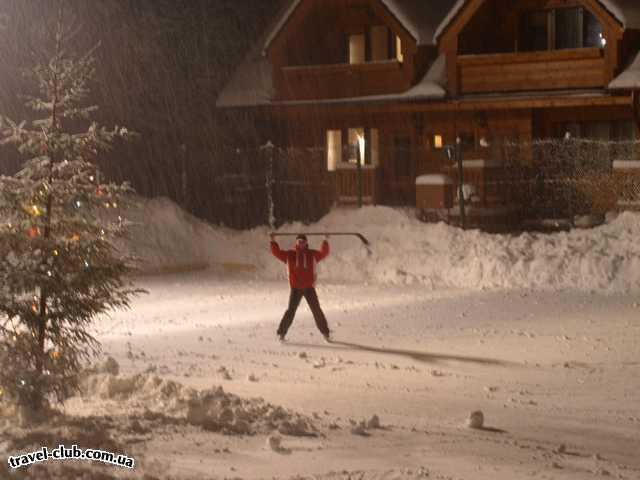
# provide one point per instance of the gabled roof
(250, 85)
(419, 17)
(627, 12)
(629, 79)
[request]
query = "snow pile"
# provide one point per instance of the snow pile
(212, 409)
(407, 251)
(163, 236)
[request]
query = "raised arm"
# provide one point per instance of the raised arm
(323, 253)
(279, 254)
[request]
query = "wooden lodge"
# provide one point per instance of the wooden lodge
(388, 84)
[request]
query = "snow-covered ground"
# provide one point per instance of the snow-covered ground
(540, 333)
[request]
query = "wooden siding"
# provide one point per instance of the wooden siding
(493, 25)
(561, 69)
(309, 55)
(342, 80)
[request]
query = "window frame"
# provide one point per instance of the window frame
(552, 28)
(371, 157)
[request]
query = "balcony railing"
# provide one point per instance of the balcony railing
(342, 80)
(548, 70)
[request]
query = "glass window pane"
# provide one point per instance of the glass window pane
(402, 156)
(597, 130)
(399, 54)
(334, 149)
(535, 31)
(356, 146)
(593, 34)
(568, 28)
(375, 147)
(356, 48)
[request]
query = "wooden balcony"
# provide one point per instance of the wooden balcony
(341, 80)
(548, 70)
(347, 184)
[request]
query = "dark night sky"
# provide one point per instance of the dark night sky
(160, 65)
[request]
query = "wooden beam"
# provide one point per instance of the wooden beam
(463, 105)
(635, 105)
(465, 14)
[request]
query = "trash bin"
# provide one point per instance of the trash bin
(434, 191)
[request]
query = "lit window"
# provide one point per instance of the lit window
(374, 140)
(357, 145)
(399, 54)
(357, 48)
(334, 149)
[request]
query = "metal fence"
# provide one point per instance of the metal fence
(568, 177)
(244, 188)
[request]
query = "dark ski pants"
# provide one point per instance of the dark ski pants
(312, 300)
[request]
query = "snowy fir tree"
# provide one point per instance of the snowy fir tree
(59, 268)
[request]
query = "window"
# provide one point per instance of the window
(399, 54)
(625, 135)
(535, 31)
(334, 149)
(378, 45)
(357, 48)
(356, 146)
(467, 141)
(374, 146)
(402, 157)
(568, 28)
(559, 29)
(592, 33)
(624, 131)
(597, 131)
(361, 144)
(577, 28)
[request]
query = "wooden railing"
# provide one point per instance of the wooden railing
(342, 80)
(347, 185)
(548, 70)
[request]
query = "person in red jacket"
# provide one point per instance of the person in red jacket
(301, 263)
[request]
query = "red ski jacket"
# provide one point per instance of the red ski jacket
(301, 263)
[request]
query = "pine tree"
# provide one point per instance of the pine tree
(59, 268)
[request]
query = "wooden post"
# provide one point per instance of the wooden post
(359, 167)
(463, 222)
(270, 182)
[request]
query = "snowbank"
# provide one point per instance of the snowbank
(407, 251)
(212, 409)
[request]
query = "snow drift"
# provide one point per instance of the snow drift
(404, 251)
(212, 409)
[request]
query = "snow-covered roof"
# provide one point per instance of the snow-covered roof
(250, 85)
(627, 12)
(629, 79)
(419, 17)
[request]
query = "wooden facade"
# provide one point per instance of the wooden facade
(496, 87)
